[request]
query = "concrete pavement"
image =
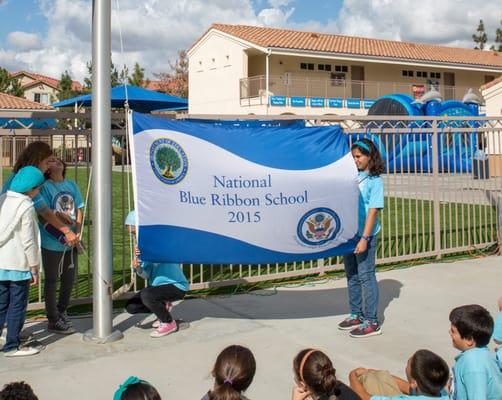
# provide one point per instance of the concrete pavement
(415, 303)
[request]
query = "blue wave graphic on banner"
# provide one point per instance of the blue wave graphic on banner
(273, 147)
(164, 243)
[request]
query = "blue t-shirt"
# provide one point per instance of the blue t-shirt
(497, 335)
(64, 197)
(164, 274)
(370, 196)
(13, 275)
(477, 376)
(38, 201)
(404, 397)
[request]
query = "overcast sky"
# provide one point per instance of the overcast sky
(50, 36)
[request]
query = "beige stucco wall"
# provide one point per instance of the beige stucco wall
(215, 67)
(493, 100)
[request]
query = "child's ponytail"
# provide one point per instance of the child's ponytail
(233, 373)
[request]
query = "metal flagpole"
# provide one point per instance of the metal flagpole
(102, 182)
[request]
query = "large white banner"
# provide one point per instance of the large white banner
(242, 193)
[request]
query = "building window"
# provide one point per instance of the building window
(421, 74)
(308, 66)
(341, 68)
(408, 73)
(337, 79)
(42, 98)
(320, 67)
(435, 75)
(324, 67)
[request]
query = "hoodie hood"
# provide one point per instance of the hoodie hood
(12, 207)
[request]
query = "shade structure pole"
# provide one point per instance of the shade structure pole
(102, 183)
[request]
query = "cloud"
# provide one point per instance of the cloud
(154, 30)
(450, 23)
(23, 40)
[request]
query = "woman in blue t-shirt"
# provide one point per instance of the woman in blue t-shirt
(60, 261)
(166, 284)
(360, 265)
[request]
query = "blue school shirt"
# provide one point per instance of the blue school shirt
(497, 335)
(14, 276)
(370, 196)
(38, 201)
(64, 197)
(164, 274)
(404, 396)
(477, 376)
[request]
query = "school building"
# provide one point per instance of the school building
(237, 69)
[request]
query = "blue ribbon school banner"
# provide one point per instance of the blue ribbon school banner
(209, 192)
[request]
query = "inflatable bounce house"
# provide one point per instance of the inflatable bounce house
(412, 152)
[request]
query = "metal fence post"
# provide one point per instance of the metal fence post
(435, 190)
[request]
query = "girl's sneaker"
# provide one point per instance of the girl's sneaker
(60, 327)
(169, 307)
(368, 328)
(351, 322)
(165, 328)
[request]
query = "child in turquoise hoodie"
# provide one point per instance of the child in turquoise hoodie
(166, 284)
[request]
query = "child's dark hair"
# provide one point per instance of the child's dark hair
(430, 371)
(473, 322)
(140, 391)
(367, 147)
(17, 391)
(33, 154)
(233, 373)
(316, 371)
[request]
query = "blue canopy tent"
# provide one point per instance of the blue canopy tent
(139, 99)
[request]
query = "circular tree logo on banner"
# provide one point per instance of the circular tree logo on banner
(318, 226)
(168, 160)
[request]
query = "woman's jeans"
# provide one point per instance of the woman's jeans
(362, 283)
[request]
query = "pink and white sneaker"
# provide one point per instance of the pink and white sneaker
(169, 307)
(165, 328)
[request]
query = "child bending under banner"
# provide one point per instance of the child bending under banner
(166, 284)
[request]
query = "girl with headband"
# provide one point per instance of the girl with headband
(360, 265)
(315, 378)
(233, 373)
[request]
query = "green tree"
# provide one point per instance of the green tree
(10, 85)
(137, 77)
(480, 38)
(498, 39)
(65, 87)
(4, 80)
(16, 88)
(168, 160)
(116, 78)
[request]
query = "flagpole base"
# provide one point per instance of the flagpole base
(89, 337)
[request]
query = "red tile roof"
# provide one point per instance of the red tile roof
(491, 83)
(359, 46)
(8, 102)
(38, 78)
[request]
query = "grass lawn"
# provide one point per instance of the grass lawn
(407, 229)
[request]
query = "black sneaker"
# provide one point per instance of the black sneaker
(351, 322)
(60, 327)
(65, 318)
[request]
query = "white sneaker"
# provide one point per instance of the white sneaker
(23, 352)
